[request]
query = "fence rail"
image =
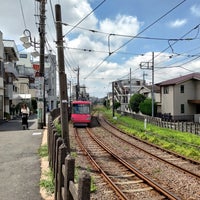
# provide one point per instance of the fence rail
(63, 167)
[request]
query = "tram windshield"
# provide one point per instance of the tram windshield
(81, 109)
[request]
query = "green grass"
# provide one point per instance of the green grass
(43, 151)
(47, 182)
(167, 138)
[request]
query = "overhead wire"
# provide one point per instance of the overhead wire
(22, 12)
(80, 23)
(178, 54)
(170, 45)
(153, 23)
(84, 18)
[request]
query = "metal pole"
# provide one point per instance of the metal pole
(152, 95)
(113, 101)
(41, 103)
(130, 83)
(63, 80)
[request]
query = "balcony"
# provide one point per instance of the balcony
(10, 69)
(10, 50)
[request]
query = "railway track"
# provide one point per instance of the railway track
(124, 179)
(190, 169)
(187, 165)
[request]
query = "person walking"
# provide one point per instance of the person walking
(25, 113)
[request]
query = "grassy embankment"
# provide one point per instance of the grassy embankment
(183, 143)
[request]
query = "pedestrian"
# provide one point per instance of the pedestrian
(25, 113)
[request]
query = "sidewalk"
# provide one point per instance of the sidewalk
(20, 168)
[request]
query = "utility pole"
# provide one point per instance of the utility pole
(113, 100)
(130, 83)
(78, 84)
(150, 65)
(41, 99)
(63, 80)
(152, 89)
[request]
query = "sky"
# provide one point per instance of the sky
(108, 39)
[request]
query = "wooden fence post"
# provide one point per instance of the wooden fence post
(58, 143)
(84, 186)
(54, 151)
(50, 145)
(62, 152)
(69, 176)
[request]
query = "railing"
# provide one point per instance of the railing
(63, 167)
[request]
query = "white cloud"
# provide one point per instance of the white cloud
(111, 69)
(89, 61)
(122, 24)
(178, 23)
(75, 12)
(195, 10)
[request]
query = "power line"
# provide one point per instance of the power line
(99, 64)
(21, 7)
(170, 45)
(129, 36)
(84, 18)
(150, 25)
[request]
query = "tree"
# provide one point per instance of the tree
(146, 107)
(135, 101)
(106, 103)
(116, 105)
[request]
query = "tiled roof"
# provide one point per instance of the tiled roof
(180, 79)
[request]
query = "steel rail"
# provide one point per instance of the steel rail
(135, 170)
(105, 176)
(153, 155)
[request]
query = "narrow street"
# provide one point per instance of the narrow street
(19, 160)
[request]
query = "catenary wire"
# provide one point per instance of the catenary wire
(84, 18)
(22, 11)
(100, 63)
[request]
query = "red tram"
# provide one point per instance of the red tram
(81, 113)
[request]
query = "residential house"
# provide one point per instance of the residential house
(27, 84)
(147, 91)
(180, 97)
(24, 84)
(10, 74)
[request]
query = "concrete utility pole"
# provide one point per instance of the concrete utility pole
(62, 80)
(150, 65)
(78, 84)
(130, 83)
(41, 99)
(113, 99)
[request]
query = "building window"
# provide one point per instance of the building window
(182, 108)
(182, 89)
(23, 55)
(165, 90)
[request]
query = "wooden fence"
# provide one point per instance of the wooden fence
(63, 167)
(175, 125)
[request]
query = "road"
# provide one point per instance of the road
(19, 160)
